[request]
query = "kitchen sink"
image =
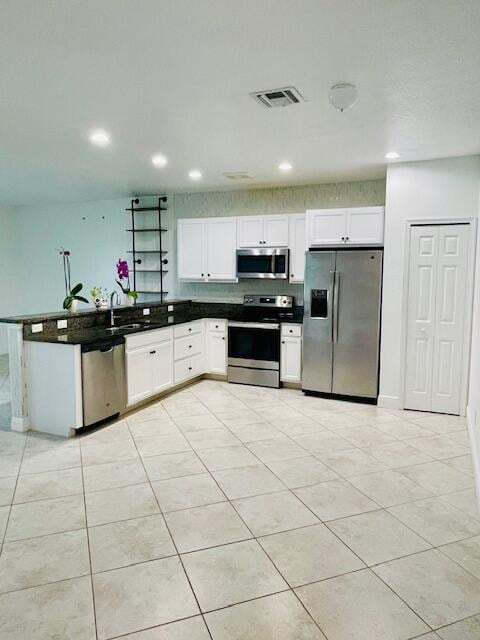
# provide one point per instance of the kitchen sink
(124, 327)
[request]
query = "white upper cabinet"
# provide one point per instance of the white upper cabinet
(263, 231)
(352, 226)
(191, 249)
(365, 225)
(325, 226)
(250, 231)
(206, 249)
(275, 231)
(298, 246)
(221, 246)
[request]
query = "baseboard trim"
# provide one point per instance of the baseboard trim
(389, 402)
(20, 424)
(475, 448)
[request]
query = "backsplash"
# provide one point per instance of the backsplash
(263, 201)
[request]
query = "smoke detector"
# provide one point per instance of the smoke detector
(278, 97)
(237, 175)
(343, 95)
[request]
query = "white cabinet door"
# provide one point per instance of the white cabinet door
(275, 231)
(191, 249)
(216, 352)
(325, 227)
(162, 365)
(449, 318)
(365, 225)
(139, 375)
(291, 359)
(297, 247)
(250, 231)
(220, 249)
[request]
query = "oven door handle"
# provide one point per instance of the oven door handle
(255, 325)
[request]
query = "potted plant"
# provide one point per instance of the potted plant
(100, 297)
(123, 273)
(72, 298)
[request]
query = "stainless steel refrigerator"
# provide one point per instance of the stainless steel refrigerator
(342, 301)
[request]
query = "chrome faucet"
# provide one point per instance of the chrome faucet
(113, 295)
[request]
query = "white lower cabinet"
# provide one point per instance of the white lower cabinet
(149, 364)
(216, 346)
(291, 353)
(189, 368)
(162, 366)
(158, 360)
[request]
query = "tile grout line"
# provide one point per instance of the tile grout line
(89, 549)
(4, 541)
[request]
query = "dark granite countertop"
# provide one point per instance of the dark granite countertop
(101, 334)
(91, 335)
(59, 315)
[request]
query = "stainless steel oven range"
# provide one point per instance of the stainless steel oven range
(254, 340)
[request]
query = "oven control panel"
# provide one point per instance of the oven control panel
(280, 302)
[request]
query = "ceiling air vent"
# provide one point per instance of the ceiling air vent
(237, 175)
(278, 97)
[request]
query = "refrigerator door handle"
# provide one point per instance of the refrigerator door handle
(336, 300)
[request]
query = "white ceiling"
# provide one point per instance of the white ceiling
(173, 76)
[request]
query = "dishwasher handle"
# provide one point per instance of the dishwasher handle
(103, 344)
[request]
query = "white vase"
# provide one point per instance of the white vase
(128, 301)
(73, 307)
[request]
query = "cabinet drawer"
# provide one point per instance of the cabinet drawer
(217, 325)
(188, 368)
(188, 346)
(292, 330)
(138, 340)
(187, 329)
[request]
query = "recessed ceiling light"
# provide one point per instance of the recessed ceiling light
(159, 160)
(392, 155)
(195, 174)
(285, 166)
(100, 138)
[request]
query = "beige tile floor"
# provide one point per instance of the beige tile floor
(241, 513)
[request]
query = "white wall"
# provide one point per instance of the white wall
(446, 188)
(473, 409)
(95, 234)
(8, 258)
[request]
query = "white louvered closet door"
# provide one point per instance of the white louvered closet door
(436, 317)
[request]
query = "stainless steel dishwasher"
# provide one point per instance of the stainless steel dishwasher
(103, 380)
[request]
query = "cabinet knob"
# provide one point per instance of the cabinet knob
(347, 238)
(208, 275)
(291, 330)
(223, 338)
(216, 326)
(203, 275)
(152, 353)
(189, 346)
(189, 328)
(189, 368)
(283, 341)
(343, 238)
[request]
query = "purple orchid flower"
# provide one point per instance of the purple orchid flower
(122, 269)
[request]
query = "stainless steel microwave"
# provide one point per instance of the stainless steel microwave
(262, 263)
